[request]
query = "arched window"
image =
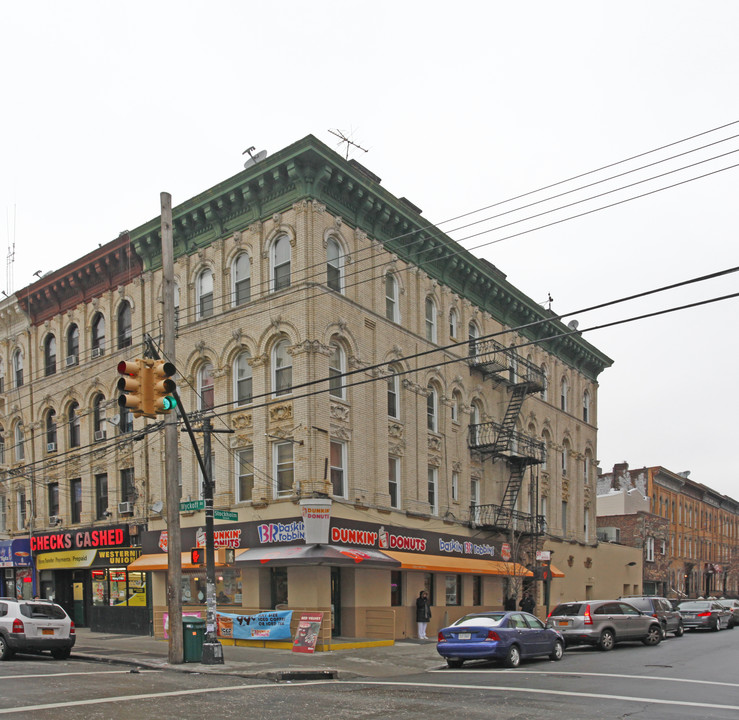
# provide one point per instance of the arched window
(98, 417)
(565, 457)
(282, 368)
(125, 420)
(242, 379)
(73, 345)
(432, 409)
(206, 387)
(241, 279)
(453, 324)
(18, 368)
(49, 355)
(2, 376)
(2, 445)
(334, 265)
(124, 325)
(473, 333)
(546, 439)
(475, 433)
(391, 298)
(393, 403)
(75, 437)
(586, 406)
(280, 258)
(456, 405)
(430, 320)
(204, 290)
(564, 389)
(336, 369)
(98, 335)
(20, 451)
(545, 382)
(51, 431)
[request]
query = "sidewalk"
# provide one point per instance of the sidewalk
(404, 658)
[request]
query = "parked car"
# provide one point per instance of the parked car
(506, 636)
(661, 608)
(704, 615)
(603, 623)
(34, 625)
(732, 605)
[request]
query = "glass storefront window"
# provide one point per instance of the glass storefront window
(228, 587)
(118, 587)
(453, 589)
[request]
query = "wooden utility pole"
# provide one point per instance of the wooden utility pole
(174, 540)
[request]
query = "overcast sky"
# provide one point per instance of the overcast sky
(461, 105)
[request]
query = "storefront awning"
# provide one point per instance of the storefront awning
(556, 572)
(159, 561)
(333, 555)
(444, 563)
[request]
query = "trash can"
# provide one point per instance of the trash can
(193, 635)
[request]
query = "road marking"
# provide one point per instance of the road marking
(554, 673)
(66, 674)
(282, 687)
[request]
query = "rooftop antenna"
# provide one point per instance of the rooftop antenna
(253, 159)
(344, 139)
(549, 300)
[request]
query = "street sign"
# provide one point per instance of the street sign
(192, 505)
(225, 515)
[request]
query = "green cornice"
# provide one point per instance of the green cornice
(309, 169)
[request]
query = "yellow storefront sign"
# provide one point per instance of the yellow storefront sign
(65, 559)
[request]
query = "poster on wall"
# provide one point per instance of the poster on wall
(306, 635)
(262, 626)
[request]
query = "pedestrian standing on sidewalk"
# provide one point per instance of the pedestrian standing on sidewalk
(423, 614)
(527, 603)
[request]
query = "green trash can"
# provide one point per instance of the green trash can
(193, 635)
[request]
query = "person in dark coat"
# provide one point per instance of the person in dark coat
(510, 603)
(527, 603)
(423, 613)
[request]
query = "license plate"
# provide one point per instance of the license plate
(563, 623)
(465, 636)
(47, 631)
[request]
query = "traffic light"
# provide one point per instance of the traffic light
(197, 556)
(134, 385)
(163, 387)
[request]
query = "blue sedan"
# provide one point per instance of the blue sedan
(506, 636)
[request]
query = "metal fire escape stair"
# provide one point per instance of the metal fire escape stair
(508, 426)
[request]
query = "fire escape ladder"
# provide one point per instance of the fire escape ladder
(504, 515)
(508, 426)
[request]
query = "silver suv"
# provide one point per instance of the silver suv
(33, 625)
(603, 623)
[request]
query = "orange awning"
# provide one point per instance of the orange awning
(442, 563)
(158, 561)
(556, 572)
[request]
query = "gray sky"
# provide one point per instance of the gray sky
(461, 105)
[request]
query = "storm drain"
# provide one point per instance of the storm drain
(294, 675)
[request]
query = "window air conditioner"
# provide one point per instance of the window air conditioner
(71, 360)
(50, 447)
(99, 434)
(125, 508)
(54, 519)
(98, 352)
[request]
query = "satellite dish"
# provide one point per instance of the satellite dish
(254, 159)
(573, 324)
(157, 506)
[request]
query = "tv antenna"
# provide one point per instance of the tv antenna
(344, 139)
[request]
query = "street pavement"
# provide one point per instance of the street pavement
(405, 657)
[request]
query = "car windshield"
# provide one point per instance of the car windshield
(487, 620)
(42, 610)
(695, 606)
(640, 603)
(568, 609)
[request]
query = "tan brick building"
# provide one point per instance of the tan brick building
(356, 352)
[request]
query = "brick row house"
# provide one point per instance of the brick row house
(356, 352)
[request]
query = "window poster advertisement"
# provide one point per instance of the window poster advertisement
(306, 635)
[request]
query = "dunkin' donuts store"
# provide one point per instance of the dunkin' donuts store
(367, 576)
(85, 570)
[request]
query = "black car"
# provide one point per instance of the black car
(661, 608)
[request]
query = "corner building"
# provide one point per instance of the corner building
(356, 353)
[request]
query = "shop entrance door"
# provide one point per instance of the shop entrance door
(335, 601)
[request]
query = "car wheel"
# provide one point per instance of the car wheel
(663, 631)
(513, 658)
(731, 624)
(606, 641)
(680, 630)
(558, 651)
(716, 625)
(61, 653)
(5, 652)
(654, 635)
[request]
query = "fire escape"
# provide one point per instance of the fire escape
(505, 367)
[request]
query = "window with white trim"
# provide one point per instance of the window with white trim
(284, 470)
(453, 323)
(282, 368)
(649, 549)
(393, 405)
(433, 490)
(338, 468)
(432, 409)
(334, 265)
(244, 474)
(430, 320)
(391, 298)
(242, 379)
(280, 256)
(204, 289)
(206, 387)
(241, 279)
(336, 371)
(393, 481)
